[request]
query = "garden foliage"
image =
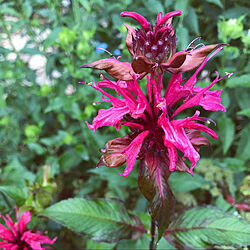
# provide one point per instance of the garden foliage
(48, 155)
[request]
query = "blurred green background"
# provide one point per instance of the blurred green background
(47, 153)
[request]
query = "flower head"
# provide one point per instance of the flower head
(16, 235)
(156, 132)
(152, 119)
(153, 50)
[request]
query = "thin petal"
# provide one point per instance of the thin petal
(6, 234)
(36, 239)
(109, 117)
(8, 246)
(175, 91)
(175, 134)
(169, 15)
(11, 225)
(172, 155)
(195, 100)
(212, 100)
(201, 127)
(140, 19)
(24, 220)
(133, 125)
(132, 151)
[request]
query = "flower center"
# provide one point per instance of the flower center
(157, 45)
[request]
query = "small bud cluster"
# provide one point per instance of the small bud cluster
(157, 46)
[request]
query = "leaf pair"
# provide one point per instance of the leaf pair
(109, 221)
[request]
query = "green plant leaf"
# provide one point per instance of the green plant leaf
(243, 148)
(183, 182)
(242, 97)
(153, 183)
(35, 147)
(100, 220)
(16, 193)
(205, 227)
(51, 38)
(99, 245)
(69, 159)
(226, 132)
(237, 81)
(9, 11)
(236, 12)
(216, 2)
(27, 8)
(245, 112)
(191, 21)
(183, 35)
(31, 51)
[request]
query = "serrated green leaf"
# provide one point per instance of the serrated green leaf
(205, 227)
(239, 81)
(226, 132)
(16, 193)
(100, 220)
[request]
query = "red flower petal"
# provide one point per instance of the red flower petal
(132, 151)
(140, 19)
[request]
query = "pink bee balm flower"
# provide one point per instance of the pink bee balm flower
(17, 236)
(152, 119)
(153, 50)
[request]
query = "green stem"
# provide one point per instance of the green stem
(6, 31)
